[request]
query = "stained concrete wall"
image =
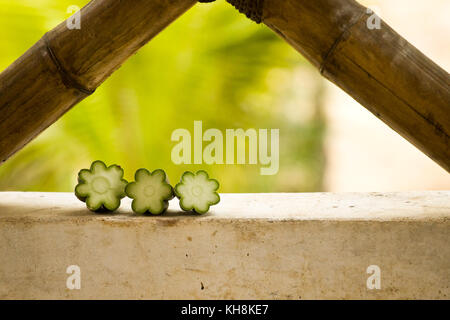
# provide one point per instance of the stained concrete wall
(250, 246)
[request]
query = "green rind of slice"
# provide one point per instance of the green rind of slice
(197, 192)
(101, 187)
(150, 192)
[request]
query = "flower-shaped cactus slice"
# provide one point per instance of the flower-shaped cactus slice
(197, 192)
(101, 187)
(150, 192)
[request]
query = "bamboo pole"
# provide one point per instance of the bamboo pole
(378, 68)
(66, 66)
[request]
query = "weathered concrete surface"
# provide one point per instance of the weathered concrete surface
(262, 246)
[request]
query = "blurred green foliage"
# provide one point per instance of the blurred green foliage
(212, 64)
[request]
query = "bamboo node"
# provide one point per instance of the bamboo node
(338, 40)
(66, 78)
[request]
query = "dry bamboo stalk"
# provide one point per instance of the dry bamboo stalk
(65, 66)
(378, 68)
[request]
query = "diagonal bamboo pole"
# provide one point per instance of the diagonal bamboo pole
(66, 66)
(378, 68)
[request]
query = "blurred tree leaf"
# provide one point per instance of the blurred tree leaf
(212, 64)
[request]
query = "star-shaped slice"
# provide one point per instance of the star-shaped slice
(197, 192)
(150, 192)
(101, 187)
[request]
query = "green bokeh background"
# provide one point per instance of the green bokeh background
(212, 64)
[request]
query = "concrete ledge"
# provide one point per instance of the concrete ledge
(250, 246)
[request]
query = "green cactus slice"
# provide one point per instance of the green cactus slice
(101, 187)
(150, 192)
(197, 192)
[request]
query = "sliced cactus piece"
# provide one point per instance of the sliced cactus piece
(101, 187)
(150, 192)
(197, 192)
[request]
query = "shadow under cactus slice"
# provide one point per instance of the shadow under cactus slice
(150, 192)
(101, 187)
(197, 192)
